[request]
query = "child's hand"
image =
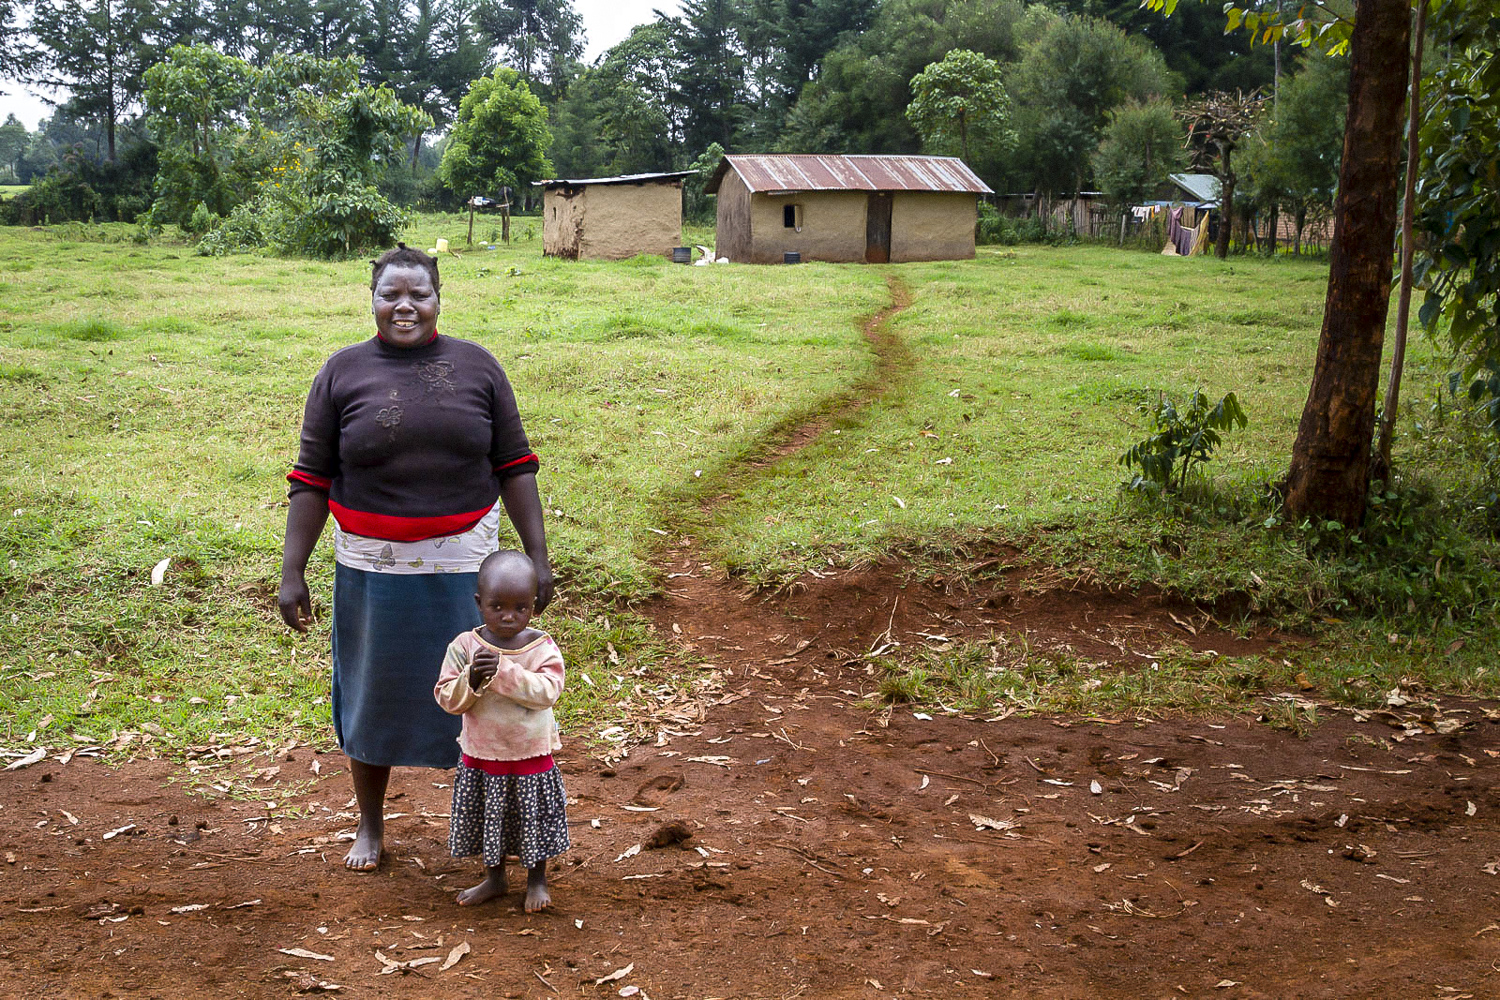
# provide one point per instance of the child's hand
(483, 667)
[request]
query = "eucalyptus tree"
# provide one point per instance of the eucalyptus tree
(97, 52)
(537, 38)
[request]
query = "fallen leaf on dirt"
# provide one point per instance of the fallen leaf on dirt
(1493, 868)
(1470, 809)
(578, 924)
(983, 975)
(391, 965)
(617, 974)
(119, 830)
(307, 983)
(10, 857)
(921, 715)
(951, 799)
(528, 932)
(69, 817)
(189, 908)
(1096, 788)
(1224, 984)
(241, 906)
(629, 991)
(459, 951)
(304, 953)
(985, 823)
(925, 782)
(1057, 781)
(716, 760)
(629, 852)
(36, 756)
(159, 572)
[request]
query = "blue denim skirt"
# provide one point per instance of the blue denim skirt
(390, 632)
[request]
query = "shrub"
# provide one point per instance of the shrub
(1179, 439)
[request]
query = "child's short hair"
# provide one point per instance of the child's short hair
(504, 563)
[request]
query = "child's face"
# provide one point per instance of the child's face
(506, 603)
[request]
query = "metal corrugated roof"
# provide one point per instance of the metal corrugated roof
(1203, 187)
(622, 179)
(839, 172)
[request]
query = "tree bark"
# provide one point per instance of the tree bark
(1381, 468)
(1330, 464)
(1226, 205)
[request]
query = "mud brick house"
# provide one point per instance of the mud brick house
(876, 209)
(611, 218)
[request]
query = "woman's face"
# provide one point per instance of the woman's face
(405, 306)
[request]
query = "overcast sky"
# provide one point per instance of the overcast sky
(605, 22)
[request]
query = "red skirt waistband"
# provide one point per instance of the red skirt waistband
(501, 768)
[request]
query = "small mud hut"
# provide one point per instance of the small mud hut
(876, 209)
(611, 218)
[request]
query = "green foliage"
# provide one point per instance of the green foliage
(499, 140)
(199, 105)
(1459, 259)
(1292, 160)
(288, 152)
(959, 106)
(700, 206)
(1179, 440)
(1070, 77)
(1142, 145)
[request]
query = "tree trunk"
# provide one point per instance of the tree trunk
(1272, 233)
(1381, 467)
(1330, 466)
(1226, 205)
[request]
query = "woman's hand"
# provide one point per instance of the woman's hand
(482, 668)
(306, 515)
(295, 602)
(544, 583)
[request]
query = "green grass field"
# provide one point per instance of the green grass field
(151, 400)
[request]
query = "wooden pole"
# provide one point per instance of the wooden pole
(471, 221)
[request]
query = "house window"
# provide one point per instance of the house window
(791, 216)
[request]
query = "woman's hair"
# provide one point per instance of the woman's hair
(405, 256)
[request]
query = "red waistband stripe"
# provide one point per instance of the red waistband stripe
(393, 528)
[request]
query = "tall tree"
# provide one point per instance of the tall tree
(535, 37)
(1074, 72)
(1217, 123)
(960, 106)
(1142, 146)
(1330, 466)
(710, 81)
(856, 101)
(500, 138)
(13, 142)
(97, 51)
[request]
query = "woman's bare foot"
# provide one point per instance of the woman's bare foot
(370, 782)
(493, 887)
(364, 856)
(537, 896)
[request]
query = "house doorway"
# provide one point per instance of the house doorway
(878, 228)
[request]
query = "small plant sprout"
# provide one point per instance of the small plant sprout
(1179, 439)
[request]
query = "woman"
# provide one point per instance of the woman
(408, 439)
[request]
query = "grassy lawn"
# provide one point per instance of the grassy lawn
(151, 399)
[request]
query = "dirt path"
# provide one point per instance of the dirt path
(833, 851)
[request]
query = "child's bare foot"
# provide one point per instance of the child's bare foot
(537, 896)
(493, 887)
(365, 854)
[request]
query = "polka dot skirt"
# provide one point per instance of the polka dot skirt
(498, 815)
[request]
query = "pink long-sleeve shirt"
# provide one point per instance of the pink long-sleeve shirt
(510, 716)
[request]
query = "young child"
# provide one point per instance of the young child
(503, 678)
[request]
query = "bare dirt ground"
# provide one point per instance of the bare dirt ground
(831, 850)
